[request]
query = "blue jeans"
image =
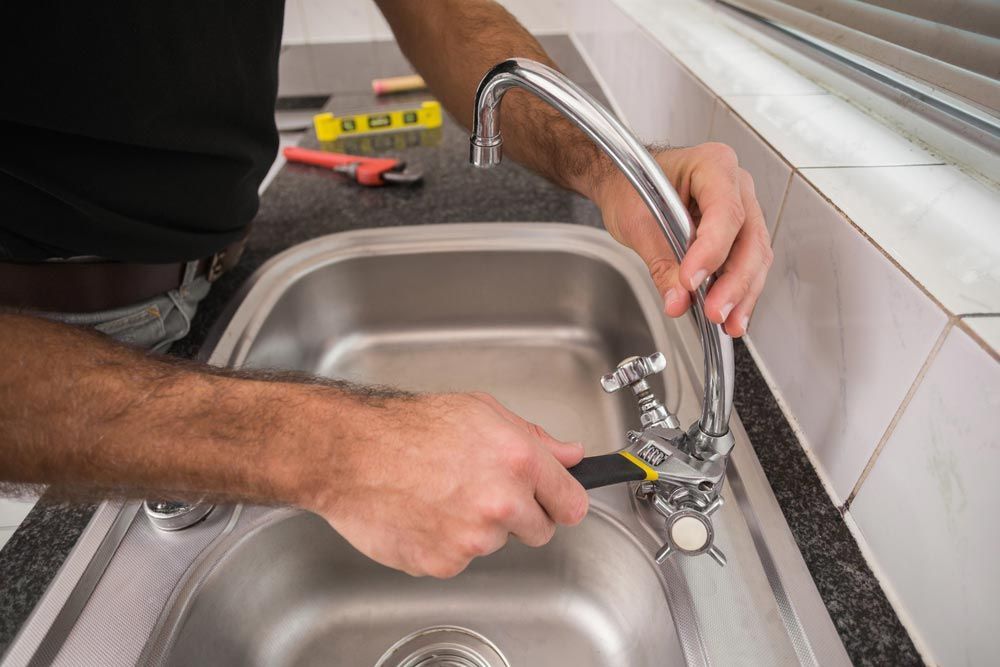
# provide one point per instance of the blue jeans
(154, 324)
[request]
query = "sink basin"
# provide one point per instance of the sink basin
(534, 328)
(592, 597)
(534, 314)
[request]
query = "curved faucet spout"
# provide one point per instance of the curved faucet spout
(645, 175)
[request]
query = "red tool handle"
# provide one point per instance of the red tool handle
(369, 170)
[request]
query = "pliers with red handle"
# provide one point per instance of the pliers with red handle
(370, 171)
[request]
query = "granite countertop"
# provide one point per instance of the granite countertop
(302, 203)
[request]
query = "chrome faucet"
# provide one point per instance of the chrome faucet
(686, 470)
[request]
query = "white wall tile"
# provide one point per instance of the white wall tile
(684, 26)
(747, 72)
(293, 31)
(661, 102)
(842, 332)
(541, 16)
(13, 511)
(927, 509)
(826, 131)
(5, 535)
(987, 328)
(377, 24)
(770, 173)
(941, 225)
(319, 21)
(337, 20)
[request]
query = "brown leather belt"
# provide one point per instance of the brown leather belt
(87, 287)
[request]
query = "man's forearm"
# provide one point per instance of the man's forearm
(453, 43)
(80, 412)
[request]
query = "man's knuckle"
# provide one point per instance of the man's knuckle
(548, 533)
(661, 269)
(744, 282)
(500, 510)
(474, 545)
(767, 256)
(762, 245)
(446, 569)
(540, 537)
(576, 509)
(722, 152)
(737, 214)
(522, 461)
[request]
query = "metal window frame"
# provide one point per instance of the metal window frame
(955, 114)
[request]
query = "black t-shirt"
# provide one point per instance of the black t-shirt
(135, 131)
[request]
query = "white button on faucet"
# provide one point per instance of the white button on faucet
(689, 534)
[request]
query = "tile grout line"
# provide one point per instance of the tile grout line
(908, 165)
(302, 22)
(900, 411)
(871, 240)
(598, 77)
(781, 207)
(774, 235)
(715, 111)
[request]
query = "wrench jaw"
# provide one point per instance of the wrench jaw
(400, 175)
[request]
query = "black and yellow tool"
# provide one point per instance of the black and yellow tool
(607, 469)
(330, 127)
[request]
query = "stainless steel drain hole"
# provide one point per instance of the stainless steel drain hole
(443, 646)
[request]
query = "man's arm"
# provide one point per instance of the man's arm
(453, 43)
(93, 417)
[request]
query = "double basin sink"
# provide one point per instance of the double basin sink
(534, 314)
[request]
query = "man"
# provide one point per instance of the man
(134, 139)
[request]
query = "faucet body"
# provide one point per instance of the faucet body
(684, 470)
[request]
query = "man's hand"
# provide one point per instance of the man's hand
(434, 481)
(423, 483)
(731, 236)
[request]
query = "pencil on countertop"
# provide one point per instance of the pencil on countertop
(398, 84)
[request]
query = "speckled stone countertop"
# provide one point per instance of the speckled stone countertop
(303, 203)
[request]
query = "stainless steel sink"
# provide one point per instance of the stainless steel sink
(592, 597)
(533, 313)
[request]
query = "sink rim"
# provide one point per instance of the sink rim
(240, 322)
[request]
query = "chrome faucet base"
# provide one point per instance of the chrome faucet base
(169, 515)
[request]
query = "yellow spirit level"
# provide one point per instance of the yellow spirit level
(330, 127)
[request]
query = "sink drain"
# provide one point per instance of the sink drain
(443, 646)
